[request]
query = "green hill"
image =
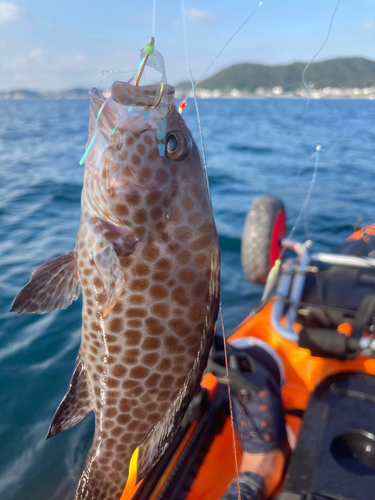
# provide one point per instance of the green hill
(343, 72)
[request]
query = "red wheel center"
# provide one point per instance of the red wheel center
(277, 234)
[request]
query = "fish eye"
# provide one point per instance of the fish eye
(177, 146)
(172, 143)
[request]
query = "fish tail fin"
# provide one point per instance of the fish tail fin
(131, 485)
(101, 478)
(93, 486)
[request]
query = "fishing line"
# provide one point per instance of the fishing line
(111, 72)
(230, 405)
(129, 81)
(195, 95)
(226, 45)
(318, 148)
(309, 192)
(194, 85)
(153, 18)
(313, 59)
(208, 187)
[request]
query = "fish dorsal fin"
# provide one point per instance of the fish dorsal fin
(155, 444)
(52, 286)
(75, 405)
(112, 276)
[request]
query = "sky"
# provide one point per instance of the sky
(58, 45)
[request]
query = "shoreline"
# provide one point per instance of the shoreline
(278, 92)
(370, 97)
(367, 93)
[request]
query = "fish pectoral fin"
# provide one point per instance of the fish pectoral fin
(112, 276)
(52, 286)
(123, 239)
(75, 405)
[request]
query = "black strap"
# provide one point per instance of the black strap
(362, 316)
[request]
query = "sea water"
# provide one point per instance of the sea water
(254, 147)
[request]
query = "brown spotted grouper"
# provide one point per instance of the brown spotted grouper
(147, 259)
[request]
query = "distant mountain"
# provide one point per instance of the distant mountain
(29, 94)
(246, 78)
(345, 72)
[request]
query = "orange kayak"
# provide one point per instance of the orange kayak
(318, 317)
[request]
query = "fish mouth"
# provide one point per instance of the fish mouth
(145, 95)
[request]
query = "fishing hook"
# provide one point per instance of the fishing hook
(149, 49)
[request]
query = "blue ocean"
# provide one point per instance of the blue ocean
(254, 147)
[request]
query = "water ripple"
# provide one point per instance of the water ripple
(254, 147)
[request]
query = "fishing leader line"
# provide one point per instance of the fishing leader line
(104, 74)
(153, 18)
(313, 59)
(225, 46)
(208, 187)
(183, 103)
(318, 147)
(230, 405)
(194, 93)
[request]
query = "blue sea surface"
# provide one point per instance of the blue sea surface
(254, 147)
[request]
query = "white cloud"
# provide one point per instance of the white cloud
(35, 68)
(38, 62)
(36, 55)
(17, 63)
(197, 16)
(369, 26)
(9, 12)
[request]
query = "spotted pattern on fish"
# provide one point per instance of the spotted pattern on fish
(147, 258)
(153, 333)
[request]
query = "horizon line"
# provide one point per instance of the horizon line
(182, 82)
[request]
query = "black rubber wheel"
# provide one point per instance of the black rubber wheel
(264, 228)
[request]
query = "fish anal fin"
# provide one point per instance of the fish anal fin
(75, 405)
(52, 286)
(112, 276)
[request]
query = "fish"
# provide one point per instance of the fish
(147, 261)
